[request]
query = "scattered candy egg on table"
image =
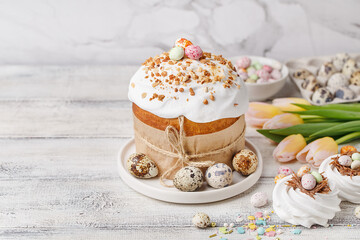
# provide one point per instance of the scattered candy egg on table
(357, 212)
(347, 148)
(182, 42)
(285, 170)
(193, 52)
(219, 175)
(355, 156)
(303, 170)
(279, 177)
(317, 176)
(176, 53)
(141, 166)
(355, 165)
(231, 225)
(188, 179)
(259, 199)
(243, 62)
(201, 220)
(245, 162)
(308, 181)
(345, 160)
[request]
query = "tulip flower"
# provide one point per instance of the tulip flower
(258, 113)
(285, 104)
(289, 147)
(283, 121)
(317, 151)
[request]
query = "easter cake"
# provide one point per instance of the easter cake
(305, 198)
(188, 108)
(343, 170)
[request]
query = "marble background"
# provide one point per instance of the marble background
(128, 31)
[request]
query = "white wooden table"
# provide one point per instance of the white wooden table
(60, 131)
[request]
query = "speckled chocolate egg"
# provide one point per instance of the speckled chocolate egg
(141, 166)
(308, 181)
(340, 59)
(344, 93)
(245, 162)
(326, 70)
(310, 83)
(355, 78)
(188, 179)
(219, 175)
(201, 220)
(322, 96)
(302, 74)
(349, 67)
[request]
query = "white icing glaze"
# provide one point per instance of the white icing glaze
(349, 188)
(298, 208)
(229, 102)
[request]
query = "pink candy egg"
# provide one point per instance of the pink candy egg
(263, 74)
(345, 160)
(285, 170)
(267, 68)
(193, 52)
(308, 181)
(276, 74)
(243, 62)
(259, 199)
(303, 170)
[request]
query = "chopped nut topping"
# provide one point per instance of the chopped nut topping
(192, 93)
(181, 90)
(164, 73)
(161, 97)
(143, 95)
(212, 98)
(205, 102)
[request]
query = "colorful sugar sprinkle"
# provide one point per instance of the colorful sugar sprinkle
(213, 235)
(261, 231)
(251, 217)
(213, 224)
(296, 231)
(260, 222)
(240, 230)
(223, 230)
(270, 234)
(258, 215)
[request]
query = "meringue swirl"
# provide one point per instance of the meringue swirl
(298, 208)
(349, 188)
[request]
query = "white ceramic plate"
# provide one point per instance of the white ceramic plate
(264, 91)
(152, 187)
(313, 64)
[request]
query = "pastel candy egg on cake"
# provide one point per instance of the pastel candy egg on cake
(188, 179)
(279, 177)
(193, 52)
(141, 166)
(355, 165)
(182, 42)
(201, 220)
(355, 156)
(245, 162)
(317, 176)
(303, 170)
(219, 175)
(176, 53)
(308, 181)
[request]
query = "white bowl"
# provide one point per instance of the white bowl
(263, 91)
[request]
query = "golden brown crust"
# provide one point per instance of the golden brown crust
(191, 128)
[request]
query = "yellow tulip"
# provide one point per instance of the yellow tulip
(258, 113)
(289, 147)
(285, 104)
(283, 121)
(317, 151)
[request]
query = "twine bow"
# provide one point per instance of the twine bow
(176, 139)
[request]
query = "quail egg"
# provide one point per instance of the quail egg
(355, 78)
(322, 96)
(310, 84)
(302, 74)
(340, 59)
(345, 93)
(188, 179)
(245, 162)
(141, 166)
(349, 67)
(219, 175)
(326, 70)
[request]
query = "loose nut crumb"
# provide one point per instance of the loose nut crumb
(143, 95)
(212, 98)
(181, 90)
(192, 93)
(161, 97)
(205, 102)
(133, 85)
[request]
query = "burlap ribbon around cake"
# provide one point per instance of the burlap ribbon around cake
(172, 149)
